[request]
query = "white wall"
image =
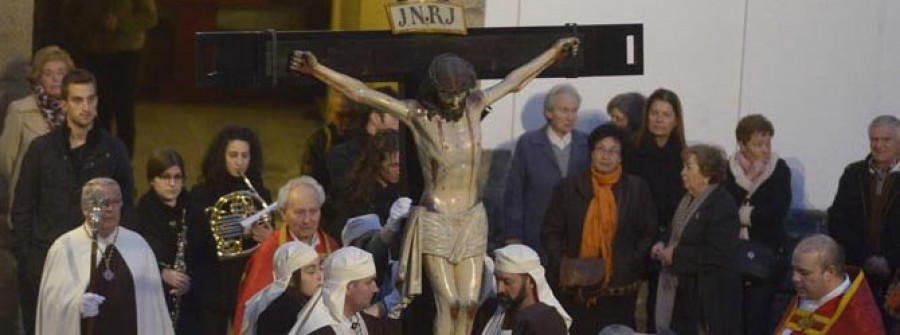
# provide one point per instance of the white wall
(819, 69)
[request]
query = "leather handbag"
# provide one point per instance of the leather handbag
(581, 272)
(757, 262)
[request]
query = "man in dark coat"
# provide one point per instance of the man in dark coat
(47, 201)
(865, 215)
(524, 303)
(319, 144)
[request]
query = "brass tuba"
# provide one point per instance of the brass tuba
(225, 219)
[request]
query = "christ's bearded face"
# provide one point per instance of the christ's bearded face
(453, 79)
(453, 101)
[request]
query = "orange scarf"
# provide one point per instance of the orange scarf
(600, 221)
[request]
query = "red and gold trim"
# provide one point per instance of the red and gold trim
(812, 323)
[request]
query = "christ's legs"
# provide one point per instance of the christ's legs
(468, 283)
(443, 283)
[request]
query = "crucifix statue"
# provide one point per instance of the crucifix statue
(447, 230)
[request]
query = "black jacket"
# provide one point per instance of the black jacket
(771, 202)
(340, 159)
(537, 319)
(318, 145)
(160, 224)
(709, 283)
(661, 168)
(635, 229)
(215, 282)
(48, 196)
(849, 213)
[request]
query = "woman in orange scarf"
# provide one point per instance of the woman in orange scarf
(598, 229)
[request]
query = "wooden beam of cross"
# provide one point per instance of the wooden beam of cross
(258, 59)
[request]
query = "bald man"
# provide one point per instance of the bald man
(830, 299)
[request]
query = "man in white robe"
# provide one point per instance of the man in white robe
(524, 303)
(338, 307)
(126, 295)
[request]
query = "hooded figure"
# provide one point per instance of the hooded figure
(349, 277)
(289, 258)
(360, 227)
(536, 318)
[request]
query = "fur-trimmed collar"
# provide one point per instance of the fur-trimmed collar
(741, 179)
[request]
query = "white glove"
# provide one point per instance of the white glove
(90, 304)
(744, 214)
(399, 210)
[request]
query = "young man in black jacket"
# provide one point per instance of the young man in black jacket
(55, 167)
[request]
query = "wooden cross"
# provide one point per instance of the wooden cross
(258, 59)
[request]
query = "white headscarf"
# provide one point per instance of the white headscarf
(326, 308)
(519, 258)
(359, 226)
(288, 258)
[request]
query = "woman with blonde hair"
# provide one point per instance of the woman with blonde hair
(36, 114)
(26, 119)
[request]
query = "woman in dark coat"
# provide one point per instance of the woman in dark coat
(657, 151)
(234, 153)
(760, 184)
(599, 213)
(656, 158)
(699, 288)
(160, 218)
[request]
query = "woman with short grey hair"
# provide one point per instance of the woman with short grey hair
(699, 289)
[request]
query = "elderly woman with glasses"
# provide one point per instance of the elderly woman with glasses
(598, 227)
(699, 288)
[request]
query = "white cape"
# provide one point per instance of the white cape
(257, 305)
(313, 316)
(66, 275)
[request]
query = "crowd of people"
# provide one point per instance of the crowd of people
(625, 228)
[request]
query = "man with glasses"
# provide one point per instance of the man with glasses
(121, 295)
(55, 166)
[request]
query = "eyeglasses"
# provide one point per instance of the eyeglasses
(614, 151)
(172, 178)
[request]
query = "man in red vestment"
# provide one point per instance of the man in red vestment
(299, 200)
(829, 300)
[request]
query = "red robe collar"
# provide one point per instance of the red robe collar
(853, 312)
(326, 244)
